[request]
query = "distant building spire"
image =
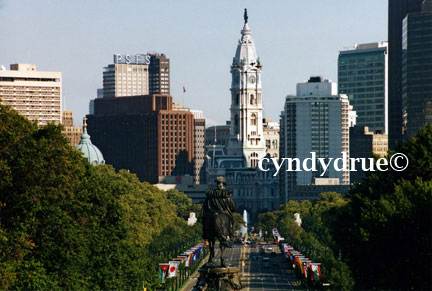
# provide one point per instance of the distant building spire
(85, 122)
(245, 16)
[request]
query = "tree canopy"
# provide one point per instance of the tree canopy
(65, 224)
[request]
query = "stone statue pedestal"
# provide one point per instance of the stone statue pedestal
(216, 278)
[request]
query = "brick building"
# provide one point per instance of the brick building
(144, 135)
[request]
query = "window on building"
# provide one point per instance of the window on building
(253, 119)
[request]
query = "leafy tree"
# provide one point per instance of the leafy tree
(65, 224)
(386, 228)
(238, 221)
(182, 203)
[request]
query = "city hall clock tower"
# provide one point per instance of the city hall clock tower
(246, 133)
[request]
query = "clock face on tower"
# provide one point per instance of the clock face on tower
(252, 79)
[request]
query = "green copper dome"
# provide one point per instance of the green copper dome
(90, 151)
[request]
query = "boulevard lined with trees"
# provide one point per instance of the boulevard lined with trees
(65, 224)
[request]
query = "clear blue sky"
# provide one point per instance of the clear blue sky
(294, 40)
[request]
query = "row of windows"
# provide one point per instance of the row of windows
(179, 116)
(343, 83)
(362, 72)
(172, 139)
(172, 150)
(171, 121)
(361, 66)
(353, 59)
(355, 78)
(344, 90)
(368, 119)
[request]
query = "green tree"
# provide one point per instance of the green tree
(182, 203)
(65, 224)
(385, 230)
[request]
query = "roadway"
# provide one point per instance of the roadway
(267, 270)
(258, 273)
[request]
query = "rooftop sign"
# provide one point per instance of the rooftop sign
(139, 59)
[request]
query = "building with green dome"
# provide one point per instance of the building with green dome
(89, 150)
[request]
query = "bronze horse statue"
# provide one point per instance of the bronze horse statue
(218, 219)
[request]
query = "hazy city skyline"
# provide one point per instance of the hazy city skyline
(294, 40)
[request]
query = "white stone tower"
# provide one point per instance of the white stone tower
(246, 137)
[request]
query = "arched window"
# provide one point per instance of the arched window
(253, 119)
(236, 124)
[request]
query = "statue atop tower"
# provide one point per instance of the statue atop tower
(246, 133)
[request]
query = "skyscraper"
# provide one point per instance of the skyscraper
(247, 138)
(159, 74)
(362, 75)
(144, 135)
(315, 120)
(128, 76)
(417, 70)
(199, 143)
(34, 94)
(397, 11)
(133, 75)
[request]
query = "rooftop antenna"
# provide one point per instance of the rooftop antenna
(245, 16)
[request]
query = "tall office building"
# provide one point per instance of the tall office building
(34, 94)
(199, 143)
(144, 135)
(133, 75)
(128, 76)
(73, 133)
(247, 138)
(397, 10)
(159, 74)
(362, 75)
(417, 70)
(315, 120)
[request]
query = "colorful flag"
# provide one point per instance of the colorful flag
(182, 259)
(198, 253)
(173, 266)
(163, 269)
(188, 255)
(316, 270)
(184, 89)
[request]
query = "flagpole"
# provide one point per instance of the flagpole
(184, 92)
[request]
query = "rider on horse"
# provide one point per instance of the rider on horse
(218, 219)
